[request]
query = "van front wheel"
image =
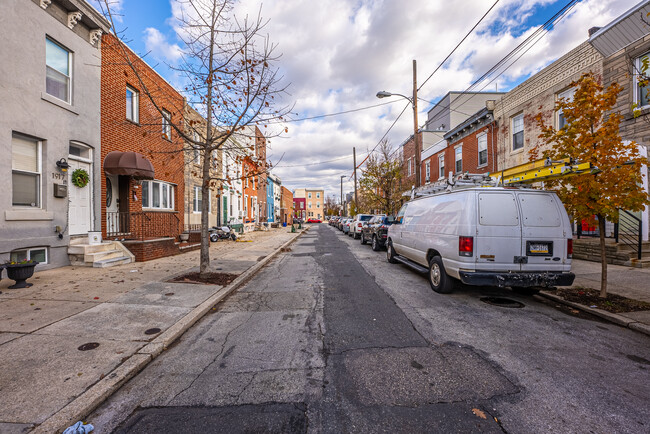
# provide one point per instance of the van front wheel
(390, 253)
(438, 279)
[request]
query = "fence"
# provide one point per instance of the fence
(143, 225)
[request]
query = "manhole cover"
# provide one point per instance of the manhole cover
(89, 346)
(502, 302)
(152, 331)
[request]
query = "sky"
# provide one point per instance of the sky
(337, 54)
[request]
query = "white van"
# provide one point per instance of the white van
(485, 236)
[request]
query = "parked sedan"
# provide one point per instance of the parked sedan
(376, 231)
(346, 226)
(313, 220)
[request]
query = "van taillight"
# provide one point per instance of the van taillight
(569, 248)
(465, 246)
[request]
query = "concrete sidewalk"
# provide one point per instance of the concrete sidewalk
(629, 282)
(47, 378)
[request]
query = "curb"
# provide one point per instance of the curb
(85, 403)
(614, 318)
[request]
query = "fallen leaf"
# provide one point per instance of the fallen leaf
(479, 413)
(96, 298)
(575, 311)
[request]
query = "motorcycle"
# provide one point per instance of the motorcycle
(222, 233)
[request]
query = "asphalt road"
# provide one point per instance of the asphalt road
(330, 338)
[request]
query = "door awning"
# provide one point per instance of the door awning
(128, 163)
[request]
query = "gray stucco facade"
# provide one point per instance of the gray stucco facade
(32, 115)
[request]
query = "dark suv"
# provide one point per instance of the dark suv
(376, 231)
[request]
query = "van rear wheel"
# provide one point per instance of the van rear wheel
(438, 279)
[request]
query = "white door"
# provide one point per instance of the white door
(80, 205)
(112, 214)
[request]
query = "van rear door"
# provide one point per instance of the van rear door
(544, 236)
(498, 232)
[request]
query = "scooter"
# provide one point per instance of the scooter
(222, 233)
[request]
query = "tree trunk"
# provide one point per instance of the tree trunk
(204, 261)
(603, 257)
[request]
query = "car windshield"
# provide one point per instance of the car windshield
(390, 219)
(365, 218)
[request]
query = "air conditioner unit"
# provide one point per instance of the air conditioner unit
(241, 214)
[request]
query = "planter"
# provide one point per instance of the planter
(20, 273)
(184, 237)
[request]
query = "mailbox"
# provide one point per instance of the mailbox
(60, 190)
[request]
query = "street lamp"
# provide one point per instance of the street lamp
(342, 176)
(414, 102)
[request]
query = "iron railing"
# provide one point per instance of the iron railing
(143, 225)
(629, 231)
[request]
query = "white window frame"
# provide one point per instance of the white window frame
(196, 202)
(317, 204)
(458, 160)
(427, 171)
(441, 165)
(166, 125)
(28, 252)
(514, 119)
(637, 89)
(38, 174)
(170, 196)
(568, 94)
(317, 195)
(69, 77)
(481, 142)
(309, 196)
(135, 104)
(409, 171)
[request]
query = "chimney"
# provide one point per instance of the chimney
(593, 30)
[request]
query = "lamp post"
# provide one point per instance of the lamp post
(414, 103)
(342, 176)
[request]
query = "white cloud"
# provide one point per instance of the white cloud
(156, 44)
(114, 5)
(338, 53)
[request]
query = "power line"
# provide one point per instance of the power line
(332, 114)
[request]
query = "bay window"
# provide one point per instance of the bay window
(157, 195)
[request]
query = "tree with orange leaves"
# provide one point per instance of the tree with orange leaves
(591, 134)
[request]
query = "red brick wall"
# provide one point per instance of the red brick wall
(286, 206)
(251, 190)
(147, 251)
(120, 134)
(260, 154)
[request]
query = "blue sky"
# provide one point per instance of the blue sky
(338, 53)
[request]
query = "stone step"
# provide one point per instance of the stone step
(106, 254)
(111, 262)
(84, 249)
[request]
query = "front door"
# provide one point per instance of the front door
(112, 200)
(80, 205)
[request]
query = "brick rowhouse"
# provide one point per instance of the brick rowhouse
(260, 155)
(145, 134)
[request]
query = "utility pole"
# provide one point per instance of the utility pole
(342, 207)
(416, 141)
(354, 155)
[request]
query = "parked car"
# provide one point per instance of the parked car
(376, 231)
(357, 224)
(339, 225)
(490, 236)
(313, 220)
(346, 226)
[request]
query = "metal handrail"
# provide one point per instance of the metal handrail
(632, 235)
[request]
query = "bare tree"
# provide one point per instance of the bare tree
(228, 65)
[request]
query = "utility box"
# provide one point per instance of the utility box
(60, 190)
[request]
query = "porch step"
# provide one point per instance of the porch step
(110, 262)
(106, 254)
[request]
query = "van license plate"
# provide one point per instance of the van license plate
(537, 248)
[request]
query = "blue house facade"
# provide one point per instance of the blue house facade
(270, 208)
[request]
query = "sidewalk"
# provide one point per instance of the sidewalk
(49, 380)
(629, 282)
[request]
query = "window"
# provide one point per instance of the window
(641, 95)
(518, 132)
(409, 171)
(482, 150)
(317, 195)
(309, 205)
(58, 70)
(132, 105)
(458, 158)
(568, 95)
(309, 196)
(198, 199)
(441, 165)
(157, 195)
(317, 204)
(38, 254)
(79, 151)
(25, 171)
(427, 171)
(166, 125)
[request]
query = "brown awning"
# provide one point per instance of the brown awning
(128, 163)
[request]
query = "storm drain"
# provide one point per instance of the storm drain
(502, 302)
(152, 331)
(89, 346)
